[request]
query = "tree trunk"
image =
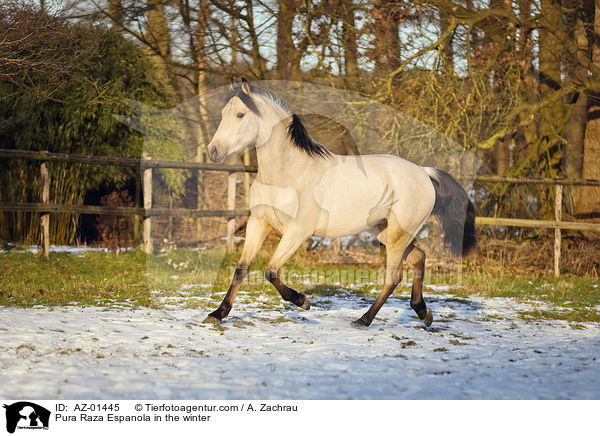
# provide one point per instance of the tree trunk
(589, 199)
(498, 34)
(529, 132)
(200, 57)
(115, 10)
(447, 50)
(576, 21)
(158, 30)
(502, 156)
(258, 62)
(387, 38)
(159, 40)
(588, 204)
(285, 45)
(551, 117)
(200, 66)
(349, 42)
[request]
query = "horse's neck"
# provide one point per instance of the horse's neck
(280, 163)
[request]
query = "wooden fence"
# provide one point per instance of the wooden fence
(147, 211)
(558, 224)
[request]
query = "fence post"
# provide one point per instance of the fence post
(199, 203)
(147, 206)
(231, 182)
(337, 245)
(557, 232)
(200, 157)
(136, 218)
(45, 217)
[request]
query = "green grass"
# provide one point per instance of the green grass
(134, 279)
(96, 278)
(573, 315)
(575, 291)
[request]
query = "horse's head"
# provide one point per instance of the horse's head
(239, 123)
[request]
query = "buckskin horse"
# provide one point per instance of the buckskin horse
(303, 190)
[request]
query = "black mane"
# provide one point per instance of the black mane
(301, 139)
(296, 130)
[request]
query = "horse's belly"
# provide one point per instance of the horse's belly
(350, 207)
(332, 228)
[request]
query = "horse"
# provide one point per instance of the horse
(303, 190)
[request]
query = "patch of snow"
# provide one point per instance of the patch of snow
(61, 249)
(345, 241)
(437, 288)
(196, 285)
(477, 348)
(237, 239)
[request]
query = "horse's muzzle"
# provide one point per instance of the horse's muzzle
(214, 155)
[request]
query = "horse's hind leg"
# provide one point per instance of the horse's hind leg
(416, 261)
(256, 232)
(396, 241)
(393, 276)
(290, 242)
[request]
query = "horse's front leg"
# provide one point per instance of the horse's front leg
(291, 240)
(256, 232)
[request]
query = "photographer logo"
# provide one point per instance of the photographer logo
(24, 415)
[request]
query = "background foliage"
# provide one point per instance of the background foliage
(62, 97)
(515, 82)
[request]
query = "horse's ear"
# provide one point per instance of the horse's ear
(232, 84)
(246, 87)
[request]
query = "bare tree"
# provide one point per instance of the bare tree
(32, 43)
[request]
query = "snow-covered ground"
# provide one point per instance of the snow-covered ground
(476, 349)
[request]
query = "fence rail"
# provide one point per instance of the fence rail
(120, 211)
(147, 212)
(538, 181)
(122, 161)
(544, 224)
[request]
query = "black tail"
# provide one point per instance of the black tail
(455, 213)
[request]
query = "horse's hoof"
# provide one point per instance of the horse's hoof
(306, 304)
(211, 320)
(428, 318)
(359, 324)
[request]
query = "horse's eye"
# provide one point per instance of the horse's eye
(240, 115)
